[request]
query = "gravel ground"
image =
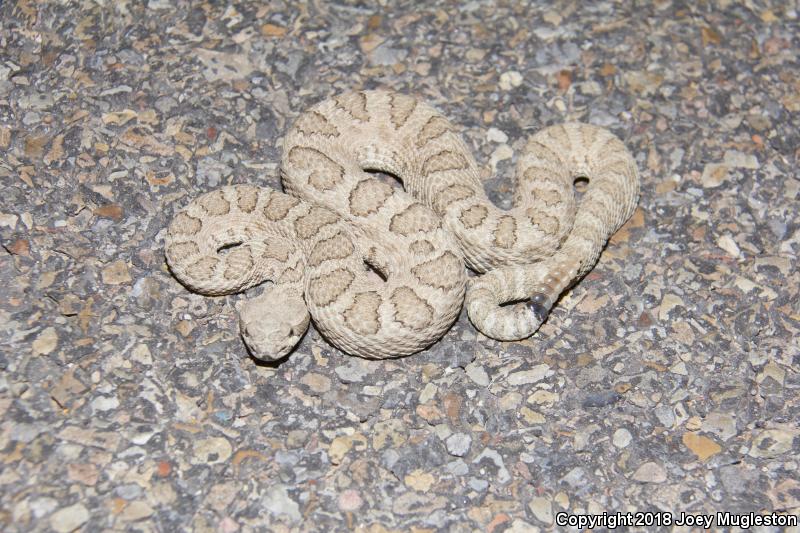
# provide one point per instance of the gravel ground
(667, 380)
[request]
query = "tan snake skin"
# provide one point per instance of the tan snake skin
(381, 269)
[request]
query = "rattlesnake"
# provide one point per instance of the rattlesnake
(381, 268)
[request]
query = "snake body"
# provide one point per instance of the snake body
(380, 268)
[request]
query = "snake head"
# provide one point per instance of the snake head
(273, 323)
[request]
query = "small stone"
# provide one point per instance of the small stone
(457, 467)
(701, 446)
(428, 392)
(679, 368)
(772, 442)
(478, 485)
(693, 423)
(562, 500)
(45, 342)
(501, 153)
(727, 243)
(184, 327)
(542, 509)
(213, 450)
(43, 506)
(419, 480)
(723, 425)
(141, 354)
(552, 17)
(353, 372)
(737, 159)
(510, 80)
(575, 478)
(339, 448)
(650, 473)
(458, 444)
(785, 495)
(350, 500)
(495, 135)
(136, 510)
(118, 118)
(105, 403)
(83, 473)
(543, 397)
(535, 374)
(531, 416)
(665, 415)
(67, 389)
(116, 273)
(316, 382)
(112, 211)
(510, 401)
(503, 476)
(477, 374)
(228, 525)
(343, 444)
(8, 220)
(277, 501)
(622, 437)
(714, 175)
(69, 518)
(272, 30)
(520, 526)
(772, 371)
(430, 413)
(668, 303)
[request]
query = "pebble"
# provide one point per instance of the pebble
(213, 450)
(105, 403)
(477, 374)
(276, 500)
(575, 478)
(45, 342)
(650, 472)
(510, 80)
(520, 526)
(428, 392)
(457, 467)
(503, 476)
(526, 377)
(419, 480)
(727, 243)
(116, 273)
(542, 509)
(737, 159)
(700, 445)
(69, 518)
(316, 382)
(352, 372)
(495, 135)
(350, 500)
(714, 175)
(665, 415)
(43, 506)
(135, 511)
(721, 424)
(478, 485)
(458, 444)
(622, 437)
(772, 442)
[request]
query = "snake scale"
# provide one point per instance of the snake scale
(380, 268)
